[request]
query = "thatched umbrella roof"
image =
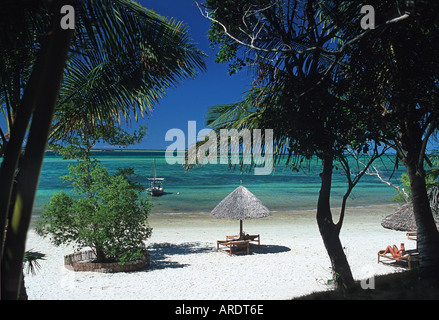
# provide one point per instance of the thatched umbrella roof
(403, 219)
(241, 204)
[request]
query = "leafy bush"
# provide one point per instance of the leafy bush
(108, 215)
(405, 185)
(430, 180)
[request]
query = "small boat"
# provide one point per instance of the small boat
(156, 185)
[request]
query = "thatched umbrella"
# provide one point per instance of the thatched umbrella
(402, 219)
(240, 205)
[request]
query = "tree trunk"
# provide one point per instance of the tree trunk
(53, 57)
(428, 236)
(23, 293)
(100, 255)
(330, 232)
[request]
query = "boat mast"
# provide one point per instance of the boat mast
(153, 183)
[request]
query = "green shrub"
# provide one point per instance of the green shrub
(107, 214)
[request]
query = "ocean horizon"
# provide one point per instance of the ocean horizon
(200, 189)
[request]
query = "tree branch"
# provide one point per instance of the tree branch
(431, 128)
(397, 188)
(353, 182)
(288, 49)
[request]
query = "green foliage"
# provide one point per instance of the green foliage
(405, 184)
(433, 172)
(430, 181)
(107, 214)
(129, 174)
(79, 145)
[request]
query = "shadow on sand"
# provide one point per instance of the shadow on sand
(268, 248)
(161, 253)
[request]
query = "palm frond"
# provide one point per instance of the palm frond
(31, 259)
(124, 59)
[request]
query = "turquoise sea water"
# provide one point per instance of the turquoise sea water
(202, 188)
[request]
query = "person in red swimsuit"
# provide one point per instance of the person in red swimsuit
(395, 251)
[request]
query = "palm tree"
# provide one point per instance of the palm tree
(31, 264)
(117, 62)
(156, 54)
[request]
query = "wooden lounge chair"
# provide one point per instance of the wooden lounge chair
(234, 246)
(249, 237)
(412, 236)
(409, 256)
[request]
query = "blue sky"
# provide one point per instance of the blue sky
(191, 99)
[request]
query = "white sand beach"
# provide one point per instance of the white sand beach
(185, 264)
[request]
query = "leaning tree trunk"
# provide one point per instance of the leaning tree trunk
(23, 294)
(52, 58)
(428, 236)
(330, 231)
(413, 158)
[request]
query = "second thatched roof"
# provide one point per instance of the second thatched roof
(241, 204)
(403, 219)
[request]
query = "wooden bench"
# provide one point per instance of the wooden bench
(234, 246)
